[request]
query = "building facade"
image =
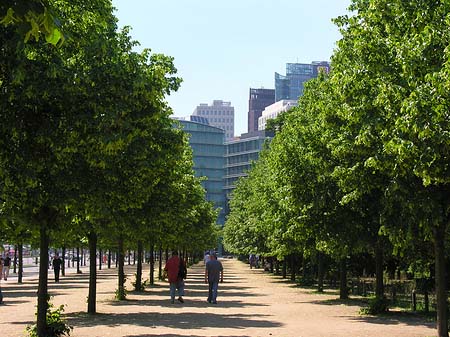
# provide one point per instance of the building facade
(291, 85)
(208, 148)
(220, 114)
(258, 100)
(273, 110)
(239, 155)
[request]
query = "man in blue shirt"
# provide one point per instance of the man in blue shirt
(213, 274)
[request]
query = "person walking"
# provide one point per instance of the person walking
(176, 273)
(56, 266)
(6, 266)
(213, 274)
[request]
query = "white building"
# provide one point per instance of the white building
(220, 114)
(273, 110)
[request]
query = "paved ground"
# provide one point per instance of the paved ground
(251, 303)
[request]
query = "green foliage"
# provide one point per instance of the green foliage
(145, 283)
(376, 306)
(31, 19)
(120, 294)
(56, 325)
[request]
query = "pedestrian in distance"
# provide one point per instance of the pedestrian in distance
(176, 273)
(213, 274)
(56, 263)
(207, 257)
(6, 266)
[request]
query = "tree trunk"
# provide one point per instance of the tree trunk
(343, 290)
(92, 309)
(78, 261)
(320, 272)
(100, 259)
(379, 288)
(293, 267)
(138, 284)
(284, 269)
(109, 258)
(441, 291)
(20, 271)
(160, 264)
(63, 263)
(152, 264)
(120, 261)
(15, 259)
(41, 323)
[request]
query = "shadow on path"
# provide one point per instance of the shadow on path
(179, 320)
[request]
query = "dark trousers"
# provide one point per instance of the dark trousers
(56, 274)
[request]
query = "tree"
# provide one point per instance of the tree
(400, 51)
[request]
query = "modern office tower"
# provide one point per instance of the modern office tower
(257, 101)
(219, 114)
(273, 110)
(207, 143)
(240, 153)
(290, 86)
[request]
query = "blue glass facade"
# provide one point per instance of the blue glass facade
(240, 154)
(291, 86)
(207, 143)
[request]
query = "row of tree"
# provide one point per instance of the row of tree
(362, 164)
(88, 151)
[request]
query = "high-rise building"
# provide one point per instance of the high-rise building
(290, 86)
(273, 110)
(208, 150)
(239, 155)
(219, 114)
(257, 101)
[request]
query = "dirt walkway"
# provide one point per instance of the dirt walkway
(250, 303)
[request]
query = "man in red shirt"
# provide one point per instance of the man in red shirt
(176, 271)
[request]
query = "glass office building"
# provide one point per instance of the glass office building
(258, 100)
(240, 154)
(291, 85)
(208, 148)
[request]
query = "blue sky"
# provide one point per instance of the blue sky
(223, 48)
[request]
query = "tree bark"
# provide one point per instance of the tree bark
(293, 267)
(120, 262)
(100, 259)
(441, 291)
(320, 272)
(138, 284)
(109, 258)
(152, 264)
(78, 261)
(343, 290)
(63, 263)
(160, 264)
(41, 324)
(379, 288)
(284, 269)
(92, 303)
(15, 259)
(20, 267)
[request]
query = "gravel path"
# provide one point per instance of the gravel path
(250, 303)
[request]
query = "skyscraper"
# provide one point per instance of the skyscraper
(220, 114)
(290, 86)
(258, 100)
